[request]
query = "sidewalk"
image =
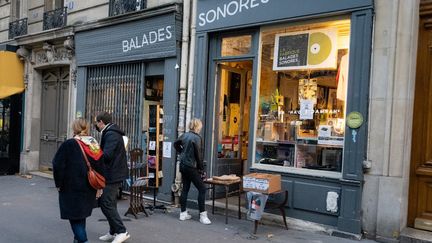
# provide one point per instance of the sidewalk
(29, 213)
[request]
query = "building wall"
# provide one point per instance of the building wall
(385, 194)
(79, 12)
(5, 12)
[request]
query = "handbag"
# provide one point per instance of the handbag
(96, 180)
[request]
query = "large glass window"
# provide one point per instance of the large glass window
(302, 96)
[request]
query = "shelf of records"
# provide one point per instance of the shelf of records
(310, 144)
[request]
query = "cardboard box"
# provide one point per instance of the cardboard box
(261, 182)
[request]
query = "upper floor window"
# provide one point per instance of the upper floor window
(53, 4)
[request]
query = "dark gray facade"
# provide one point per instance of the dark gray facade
(307, 193)
(150, 40)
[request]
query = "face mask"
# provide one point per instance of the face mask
(97, 128)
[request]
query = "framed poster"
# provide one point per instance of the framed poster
(314, 49)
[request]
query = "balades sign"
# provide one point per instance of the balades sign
(147, 38)
(220, 14)
(137, 40)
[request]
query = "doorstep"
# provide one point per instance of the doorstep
(411, 235)
(273, 219)
(44, 174)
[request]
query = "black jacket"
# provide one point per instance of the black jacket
(189, 147)
(114, 152)
(76, 197)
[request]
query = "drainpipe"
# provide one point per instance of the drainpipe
(191, 63)
(176, 187)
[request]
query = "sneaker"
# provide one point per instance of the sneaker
(185, 216)
(122, 237)
(107, 237)
(204, 219)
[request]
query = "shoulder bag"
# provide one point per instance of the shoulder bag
(96, 180)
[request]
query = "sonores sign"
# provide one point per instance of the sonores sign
(136, 40)
(220, 14)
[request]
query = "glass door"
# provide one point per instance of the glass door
(232, 119)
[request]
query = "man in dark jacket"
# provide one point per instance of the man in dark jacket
(114, 152)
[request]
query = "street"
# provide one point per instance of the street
(29, 213)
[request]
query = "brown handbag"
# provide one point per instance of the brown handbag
(96, 180)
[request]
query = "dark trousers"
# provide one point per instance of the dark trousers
(108, 204)
(189, 175)
(79, 230)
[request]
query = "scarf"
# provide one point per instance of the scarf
(90, 146)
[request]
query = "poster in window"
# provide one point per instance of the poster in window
(307, 90)
(315, 49)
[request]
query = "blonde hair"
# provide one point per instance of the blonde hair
(81, 127)
(195, 125)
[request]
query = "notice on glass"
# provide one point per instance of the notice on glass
(166, 153)
(306, 109)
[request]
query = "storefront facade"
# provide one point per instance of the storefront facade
(286, 86)
(128, 67)
(11, 97)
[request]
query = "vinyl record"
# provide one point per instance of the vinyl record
(320, 47)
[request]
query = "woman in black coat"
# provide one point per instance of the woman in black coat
(76, 196)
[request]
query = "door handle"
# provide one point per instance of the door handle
(44, 137)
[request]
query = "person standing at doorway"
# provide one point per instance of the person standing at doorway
(191, 168)
(116, 171)
(76, 197)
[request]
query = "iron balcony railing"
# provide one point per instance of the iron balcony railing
(56, 18)
(117, 7)
(17, 28)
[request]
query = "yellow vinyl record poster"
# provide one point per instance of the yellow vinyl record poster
(322, 50)
(320, 47)
(312, 49)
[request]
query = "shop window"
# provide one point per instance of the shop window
(4, 127)
(236, 45)
(302, 97)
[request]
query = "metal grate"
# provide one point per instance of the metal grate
(56, 18)
(117, 89)
(117, 7)
(18, 28)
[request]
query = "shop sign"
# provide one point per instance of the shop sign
(147, 39)
(221, 14)
(135, 40)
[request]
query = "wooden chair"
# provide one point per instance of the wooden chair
(276, 205)
(138, 181)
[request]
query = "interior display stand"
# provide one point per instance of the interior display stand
(154, 153)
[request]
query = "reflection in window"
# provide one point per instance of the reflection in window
(302, 96)
(4, 127)
(236, 46)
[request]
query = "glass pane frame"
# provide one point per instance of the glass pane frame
(287, 169)
(252, 54)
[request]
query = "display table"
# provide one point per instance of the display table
(226, 185)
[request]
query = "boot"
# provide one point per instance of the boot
(204, 219)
